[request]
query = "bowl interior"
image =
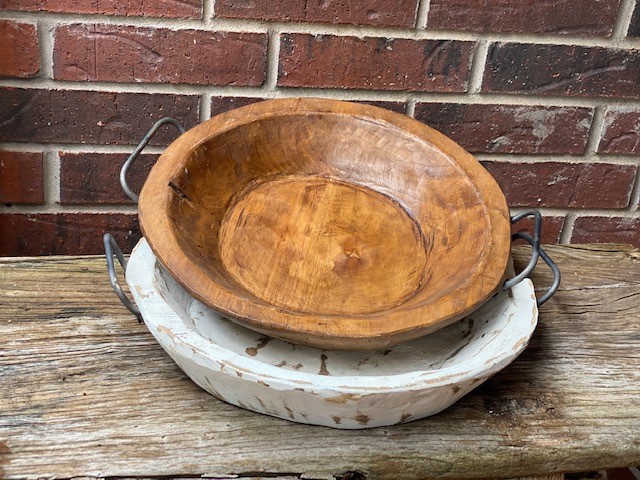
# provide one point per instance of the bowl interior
(329, 214)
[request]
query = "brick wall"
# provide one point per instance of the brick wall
(546, 94)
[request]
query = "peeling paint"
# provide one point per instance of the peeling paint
(323, 365)
(141, 291)
(344, 398)
(361, 418)
(405, 417)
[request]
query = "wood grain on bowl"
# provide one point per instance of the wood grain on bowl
(326, 223)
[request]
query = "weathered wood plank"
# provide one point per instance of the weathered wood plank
(87, 392)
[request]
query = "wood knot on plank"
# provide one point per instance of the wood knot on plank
(519, 406)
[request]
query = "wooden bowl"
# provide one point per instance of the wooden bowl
(326, 223)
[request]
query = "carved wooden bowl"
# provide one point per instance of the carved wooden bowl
(326, 223)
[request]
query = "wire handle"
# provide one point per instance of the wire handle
(111, 247)
(132, 158)
(535, 244)
(536, 253)
(554, 269)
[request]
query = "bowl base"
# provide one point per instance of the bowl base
(317, 245)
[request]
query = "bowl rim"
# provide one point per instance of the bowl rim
(366, 330)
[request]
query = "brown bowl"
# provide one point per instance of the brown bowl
(327, 223)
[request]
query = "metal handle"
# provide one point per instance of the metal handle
(111, 247)
(554, 269)
(535, 245)
(132, 158)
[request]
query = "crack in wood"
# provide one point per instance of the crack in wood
(179, 191)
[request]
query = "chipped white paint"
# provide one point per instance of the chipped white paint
(341, 389)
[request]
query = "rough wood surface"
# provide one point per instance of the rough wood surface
(328, 223)
(332, 265)
(87, 392)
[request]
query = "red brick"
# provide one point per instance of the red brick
(20, 57)
(133, 8)
(94, 178)
(634, 27)
(222, 104)
(61, 116)
(573, 17)
(621, 131)
(562, 70)
(401, 13)
(620, 474)
(550, 232)
(116, 53)
(64, 233)
(398, 107)
(564, 185)
(510, 128)
(326, 61)
(606, 230)
(21, 178)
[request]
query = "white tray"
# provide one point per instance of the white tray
(340, 389)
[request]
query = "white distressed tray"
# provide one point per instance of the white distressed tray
(340, 389)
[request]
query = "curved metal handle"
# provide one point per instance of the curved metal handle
(111, 247)
(535, 244)
(554, 269)
(132, 158)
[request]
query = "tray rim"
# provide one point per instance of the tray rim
(374, 330)
(141, 278)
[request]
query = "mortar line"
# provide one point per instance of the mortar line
(422, 14)
(567, 228)
(204, 107)
(580, 211)
(349, 94)
(45, 44)
(258, 26)
(443, 97)
(208, 11)
(126, 208)
(155, 149)
(594, 212)
(478, 64)
(595, 131)
(51, 177)
(621, 25)
(273, 54)
(59, 208)
(557, 158)
(634, 196)
(32, 147)
(411, 107)
(75, 148)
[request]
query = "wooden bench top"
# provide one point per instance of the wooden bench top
(85, 391)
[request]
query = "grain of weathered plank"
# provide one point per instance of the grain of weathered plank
(87, 392)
